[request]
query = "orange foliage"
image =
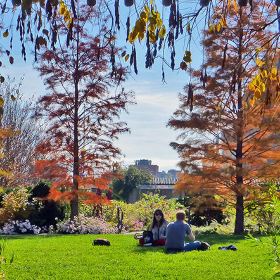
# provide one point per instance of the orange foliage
(62, 184)
(228, 144)
(49, 169)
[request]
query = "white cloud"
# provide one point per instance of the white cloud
(150, 138)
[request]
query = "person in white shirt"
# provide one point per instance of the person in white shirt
(158, 228)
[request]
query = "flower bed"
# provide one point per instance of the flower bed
(83, 224)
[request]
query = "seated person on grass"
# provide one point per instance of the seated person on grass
(157, 230)
(175, 236)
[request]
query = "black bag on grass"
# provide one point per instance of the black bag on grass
(101, 242)
(144, 238)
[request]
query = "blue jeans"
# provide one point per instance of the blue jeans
(190, 246)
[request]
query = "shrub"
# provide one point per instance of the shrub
(20, 205)
(82, 224)
(43, 212)
(207, 217)
(204, 208)
(40, 190)
(266, 210)
(139, 215)
(14, 206)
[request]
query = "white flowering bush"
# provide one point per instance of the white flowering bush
(83, 224)
(19, 227)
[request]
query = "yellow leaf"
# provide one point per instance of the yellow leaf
(1, 101)
(132, 37)
(258, 50)
(67, 16)
(62, 9)
(141, 35)
(257, 81)
(259, 62)
(273, 74)
(251, 87)
(126, 57)
(211, 28)
(147, 9)
(162, 32)
(144, 16)
(257, 93)
(140, 26)
(152, 27)
(218, 27)
(152, 37)
(223, 22)
(252, 102)
(4, 173)
(158, 20)
(159, 23)
(274, 71)
(263, 87)
(264, 74)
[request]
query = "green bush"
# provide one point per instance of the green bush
(265, 209)
(21, 204)
(43, 212)
(138, 216)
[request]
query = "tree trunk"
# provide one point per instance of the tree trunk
(239, 215)
(239, 206)
(75, 200)
(74, 204)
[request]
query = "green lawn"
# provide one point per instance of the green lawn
(73, 257)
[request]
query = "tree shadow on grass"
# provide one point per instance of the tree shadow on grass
(216, 238)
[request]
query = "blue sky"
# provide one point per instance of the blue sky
(149, 137)
(156, 102)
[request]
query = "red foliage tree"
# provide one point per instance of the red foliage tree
(83, 109)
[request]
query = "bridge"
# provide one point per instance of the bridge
(161, 186)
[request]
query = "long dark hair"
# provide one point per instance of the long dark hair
(155, 222)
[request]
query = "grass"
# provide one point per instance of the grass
(74, 257)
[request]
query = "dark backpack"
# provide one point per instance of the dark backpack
(147, 237)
